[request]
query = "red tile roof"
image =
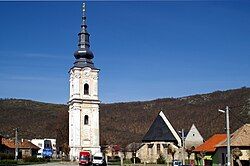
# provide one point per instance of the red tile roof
(210, 144)
(9, 143)
(22, 145)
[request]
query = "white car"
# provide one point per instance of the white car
(99, 159)
(177, 163)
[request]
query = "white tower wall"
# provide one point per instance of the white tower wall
(83, 132)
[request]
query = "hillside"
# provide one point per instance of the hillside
(34, 119)
(122, 123)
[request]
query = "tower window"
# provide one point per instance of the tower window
(86, 119)
(86, 89)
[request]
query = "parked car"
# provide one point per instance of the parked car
(85, 158)
(99, 159)
(177, 163)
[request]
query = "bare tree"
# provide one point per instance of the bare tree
(66, 150)
(171, 150)
(199, 157)
(236, 152)
(189, 152)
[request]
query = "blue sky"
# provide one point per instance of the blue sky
(145, 50)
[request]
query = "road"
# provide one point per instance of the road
(57, 164)
(60, 164)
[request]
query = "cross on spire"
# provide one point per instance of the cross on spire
(84, 15)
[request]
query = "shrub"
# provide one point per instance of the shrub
(117, 158)
(114, 159)
(33, 159)
(5, 156)
(8, 162)
(161, 160)
(64, 158)
(137, 160)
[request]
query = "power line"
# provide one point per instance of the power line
(237, 118)
(211, 120)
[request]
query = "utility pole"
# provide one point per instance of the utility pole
(183, 146)
(134, 152)
(228, 138)
(16, 143)
(228, 135)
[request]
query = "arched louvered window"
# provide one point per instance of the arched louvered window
(86, 89)
(86, 119)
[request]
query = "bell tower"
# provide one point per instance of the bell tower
(83, 101)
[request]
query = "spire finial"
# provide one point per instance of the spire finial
(84, 14)
(83, 54)
(83, 7)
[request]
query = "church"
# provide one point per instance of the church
(160, 139)
(83, 100)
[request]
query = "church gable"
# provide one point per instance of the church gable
(161, 130)
(193, 137)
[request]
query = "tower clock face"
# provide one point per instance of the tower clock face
(86, 72)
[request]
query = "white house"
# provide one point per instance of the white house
(40, 144)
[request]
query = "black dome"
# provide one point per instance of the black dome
(84, 53)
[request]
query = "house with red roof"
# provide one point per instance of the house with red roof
(214, 150)
(239, 139)
(25, 147)
(205, 152)
(112, 151)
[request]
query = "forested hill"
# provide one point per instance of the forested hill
(123, 123)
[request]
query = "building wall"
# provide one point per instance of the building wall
(245, 153)
(9, 151)
(193, 138)
(83, 136)
(129, 155)
(80, 76)
(26, 152)
(150, 155)
(40, 144)
(217, 158)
